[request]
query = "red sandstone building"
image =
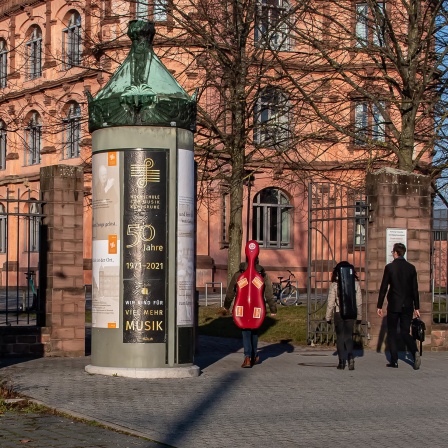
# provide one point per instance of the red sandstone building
(52, 52)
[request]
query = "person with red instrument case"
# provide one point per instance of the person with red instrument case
(250, 287)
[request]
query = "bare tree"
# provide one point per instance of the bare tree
(248, 117)
(376, 77)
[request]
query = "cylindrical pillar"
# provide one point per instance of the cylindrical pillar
(143, 252)
(143, 209)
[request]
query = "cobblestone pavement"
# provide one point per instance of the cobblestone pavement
(51, 431)
(294, 398)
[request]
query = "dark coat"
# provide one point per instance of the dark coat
(400, 277)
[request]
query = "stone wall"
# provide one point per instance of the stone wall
(398, 200)
(62, 190)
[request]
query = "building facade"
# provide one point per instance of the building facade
(53, 51)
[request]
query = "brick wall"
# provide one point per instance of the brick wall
(62, 190)
(20, 342)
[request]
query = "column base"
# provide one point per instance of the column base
(153, 373)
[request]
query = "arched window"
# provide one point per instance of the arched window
(2, 145)
(34, 53)
(33, 132)
(72, 131)
(3, 63)
(271, 219)
(3, 229)
(71, 41)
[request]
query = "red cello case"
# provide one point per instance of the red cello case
(249, 309)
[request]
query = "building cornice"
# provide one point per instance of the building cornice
(46, 85)
(9, 7)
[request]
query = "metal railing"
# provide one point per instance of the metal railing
(20, 233)
(212, 285)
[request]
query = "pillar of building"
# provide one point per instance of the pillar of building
(62, 189)
(398, 201)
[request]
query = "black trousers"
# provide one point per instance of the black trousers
(344, 336)
(404, 318)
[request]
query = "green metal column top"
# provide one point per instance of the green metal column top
(142, 92)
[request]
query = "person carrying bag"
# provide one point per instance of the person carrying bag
(345, 303)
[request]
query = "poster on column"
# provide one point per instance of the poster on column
(185, 239)
(145, 245)
(105, 240)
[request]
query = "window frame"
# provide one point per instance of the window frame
(367, 29)
(72, 131)
(159, 10)
(72, 42)
(263, 213)
(34, 54)
(360, 224)
(3, 229)
(3, 64)
(271, 118)
(272, 27)
(3, 144)
(33, 134)
(367, 122)
(33, 227)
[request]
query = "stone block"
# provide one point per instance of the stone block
(73, 320)
(60, 282)
(76, 347)
(64, 333)
(80, 332)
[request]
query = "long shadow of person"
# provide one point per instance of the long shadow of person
(211, 349)
(383, 340)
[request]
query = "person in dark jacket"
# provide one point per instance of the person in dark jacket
(250, 337)
(343, 327)
(401, 285)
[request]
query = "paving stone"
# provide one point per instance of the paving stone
(295, 398)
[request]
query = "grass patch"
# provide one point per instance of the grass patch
(288, 325)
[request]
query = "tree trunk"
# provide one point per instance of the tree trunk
(236, 218)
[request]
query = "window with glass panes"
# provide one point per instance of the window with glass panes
(369, 24)
(2, 145)
(272, 24)
(272, 219)
(32, 236)
(271, 118)
(33, 136)
(33, 48)
(72, 131)
(71, 41)
(3, 229)
(3, 64)
(369, 122)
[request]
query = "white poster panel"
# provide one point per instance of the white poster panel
(185, 238)
(105, 240)
(395, 236)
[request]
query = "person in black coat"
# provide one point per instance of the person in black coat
(400, 284)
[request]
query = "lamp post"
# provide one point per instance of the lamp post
(249, 181)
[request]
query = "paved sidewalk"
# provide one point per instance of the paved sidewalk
(294, 398)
